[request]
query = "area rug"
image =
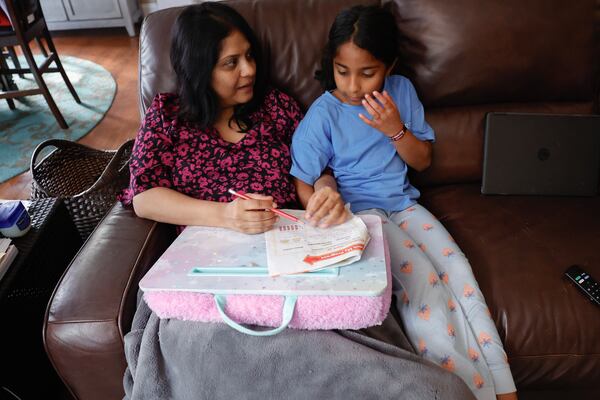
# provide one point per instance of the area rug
(21, 130)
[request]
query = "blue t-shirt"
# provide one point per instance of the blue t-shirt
(368, 170)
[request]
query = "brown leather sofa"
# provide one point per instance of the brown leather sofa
(466, 58)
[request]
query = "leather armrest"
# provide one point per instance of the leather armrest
(92, 307)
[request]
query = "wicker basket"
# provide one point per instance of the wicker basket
(88, 180)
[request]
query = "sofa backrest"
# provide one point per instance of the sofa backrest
(470, 57)
(292, 34)
(465, 57)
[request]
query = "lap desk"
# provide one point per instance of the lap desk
(203, 264)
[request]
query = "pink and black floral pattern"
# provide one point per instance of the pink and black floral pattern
(173, 153)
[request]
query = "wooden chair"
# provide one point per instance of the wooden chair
(28, 24)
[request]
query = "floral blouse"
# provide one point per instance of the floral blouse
(175, 154)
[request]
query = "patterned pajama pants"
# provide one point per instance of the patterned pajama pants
(442, 308)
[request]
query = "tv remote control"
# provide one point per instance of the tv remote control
(585, 283)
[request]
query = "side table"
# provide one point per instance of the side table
(44, 253)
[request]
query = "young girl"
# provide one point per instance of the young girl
(368, 128)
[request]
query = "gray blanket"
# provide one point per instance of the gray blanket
(171, 359)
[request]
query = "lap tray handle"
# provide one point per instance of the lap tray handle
(288, 312)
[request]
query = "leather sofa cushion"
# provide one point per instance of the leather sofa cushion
(458, 150)
(472, 52)
(519, 247)
(456, 52)
(92, 308)
(435, 37)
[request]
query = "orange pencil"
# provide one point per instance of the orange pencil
(276, 211)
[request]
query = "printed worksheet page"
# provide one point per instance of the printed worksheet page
(295, 247)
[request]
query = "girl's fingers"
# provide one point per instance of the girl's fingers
(336, 216)
(320, 213)
(331, 210)
(374, 103)
(365, 120)
(380, 98)
(325, 209)
(388, 98)
(387, 101)
(314, 203)
(370, 108)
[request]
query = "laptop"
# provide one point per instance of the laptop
(541, 154)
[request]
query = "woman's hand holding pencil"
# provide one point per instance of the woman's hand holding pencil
(250, 216)
(272, 209)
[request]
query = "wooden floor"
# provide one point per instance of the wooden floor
(118, 53)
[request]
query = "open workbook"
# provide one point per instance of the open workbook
(295, 247)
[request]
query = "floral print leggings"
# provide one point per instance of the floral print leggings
(443, 310)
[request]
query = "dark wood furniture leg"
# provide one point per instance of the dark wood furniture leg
(15, 59)
(6, 82)
(42, 85)
(52, 49)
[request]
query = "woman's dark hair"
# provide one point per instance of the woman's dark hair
(195, 46)
(371, 28)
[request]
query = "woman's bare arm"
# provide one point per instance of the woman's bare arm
(167, 205)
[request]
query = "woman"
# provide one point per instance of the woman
(224, 130)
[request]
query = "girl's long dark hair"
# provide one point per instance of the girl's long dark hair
(371, 28)
(195, 46)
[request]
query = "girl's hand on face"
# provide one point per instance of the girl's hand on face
(326, 208)
(385, 116)
(250, 216)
